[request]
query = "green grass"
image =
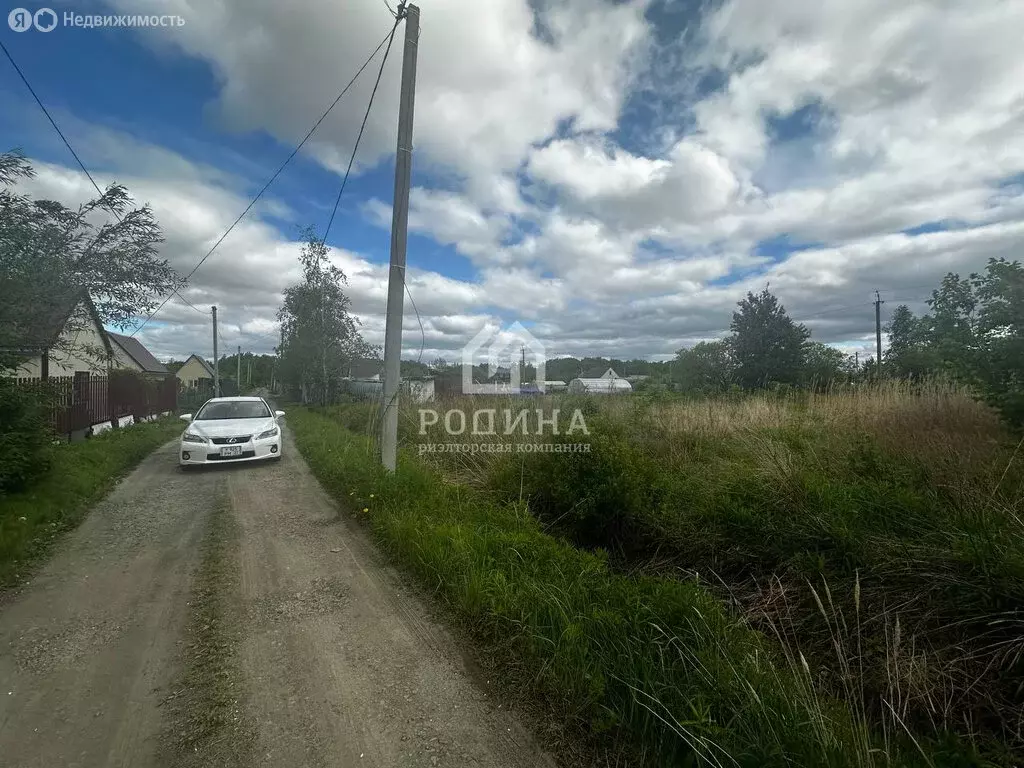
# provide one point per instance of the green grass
(203, 725)
(881, 539)
(80, 474)
(655, 670)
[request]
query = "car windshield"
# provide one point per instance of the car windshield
(233, 409)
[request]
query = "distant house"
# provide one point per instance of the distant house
(196, 372)
(555, 386)
(129, 354)
(60, 335)
(364, 369)
(600, 386)
(599, 373)
(420, 390)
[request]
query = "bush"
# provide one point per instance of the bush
(654, 667)
(929, 538)
(25, 435)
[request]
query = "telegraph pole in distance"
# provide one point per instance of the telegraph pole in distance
(399, 228)
(238, 374)
(216, 360)
(878, 334)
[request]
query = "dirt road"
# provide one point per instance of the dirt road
(231, 617)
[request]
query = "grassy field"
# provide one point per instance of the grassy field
(865, 547)
(80, 474)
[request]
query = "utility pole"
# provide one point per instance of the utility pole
(238, 373)
(216, 359)
(399, 229)
(878, 333)
(248, 371)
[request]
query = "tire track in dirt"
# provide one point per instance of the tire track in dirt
(88, 648)
(231, 617)
(341, 667)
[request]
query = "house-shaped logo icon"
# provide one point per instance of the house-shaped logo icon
(495, 346)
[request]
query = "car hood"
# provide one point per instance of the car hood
(230, 427)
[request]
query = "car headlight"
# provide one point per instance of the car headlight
(269, 433)
(188, 437)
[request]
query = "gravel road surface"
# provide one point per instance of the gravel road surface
(231, 617)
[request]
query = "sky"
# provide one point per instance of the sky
(613, 175)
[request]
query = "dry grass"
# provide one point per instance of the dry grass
(876, 533)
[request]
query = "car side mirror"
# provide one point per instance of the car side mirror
(278, 414)
(186, 417)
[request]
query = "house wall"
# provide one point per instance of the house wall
(600, 386)
(191, 371)
(84, 350)
(420, 391)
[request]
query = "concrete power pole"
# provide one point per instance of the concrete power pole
(238, 373)
(399, 227)
(878, 334)
(216, 359)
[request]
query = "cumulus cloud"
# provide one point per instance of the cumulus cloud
(850, 130)
(487, 88)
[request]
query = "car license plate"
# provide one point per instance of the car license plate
(231, 450)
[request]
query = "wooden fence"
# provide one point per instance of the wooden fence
(84, 400)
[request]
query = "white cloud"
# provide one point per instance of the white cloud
(487, 87)
(917, 116)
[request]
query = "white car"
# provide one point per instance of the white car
(231, 429)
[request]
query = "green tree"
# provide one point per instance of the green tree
(1000, 329)
(706, 367)
(824, 365)
(767, 346)
(951, 328)
(909, 353)
(107, 247)
(321, 337)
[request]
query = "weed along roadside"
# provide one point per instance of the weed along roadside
(79, 474)
(203, 725)
(653, 669)
(888, 554)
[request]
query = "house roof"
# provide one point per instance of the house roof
(596, 373)
(599, 384)
(36, 326)
(202, 361)
(134, 349)
(364, 368)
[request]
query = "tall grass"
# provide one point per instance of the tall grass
(648, 665)
(875, 534)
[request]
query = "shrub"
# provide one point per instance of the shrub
(25, 435)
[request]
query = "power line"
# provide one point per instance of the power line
(67, 144)
(49, 117)
(362, 128)
(276, 173)
(423, 334)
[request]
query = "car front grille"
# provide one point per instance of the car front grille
(239, 440)
(242, 455)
